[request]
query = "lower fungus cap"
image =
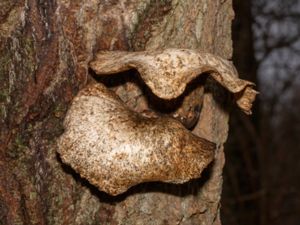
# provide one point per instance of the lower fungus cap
(115, 148)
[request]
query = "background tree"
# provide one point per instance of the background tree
(263, 151)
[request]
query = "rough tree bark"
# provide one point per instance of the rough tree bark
(45, 47)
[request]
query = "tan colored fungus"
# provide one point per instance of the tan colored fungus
(115, 148)
(167, 72)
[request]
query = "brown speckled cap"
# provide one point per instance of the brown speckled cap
(115, 148)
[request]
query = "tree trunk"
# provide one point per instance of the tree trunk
(45, 47)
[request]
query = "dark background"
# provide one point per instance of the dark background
(262, 172)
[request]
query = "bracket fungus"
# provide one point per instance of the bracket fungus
(115, 148)
(167, 72)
